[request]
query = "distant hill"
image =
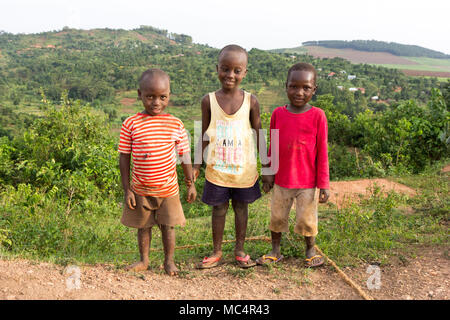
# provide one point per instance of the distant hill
(377, 53)
(102, 66)
(380, 46)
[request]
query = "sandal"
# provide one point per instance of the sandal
(266, 259)
(245, 262)
(208, 263)
(314, 261)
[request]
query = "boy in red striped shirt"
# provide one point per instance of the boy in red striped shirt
(153, 138)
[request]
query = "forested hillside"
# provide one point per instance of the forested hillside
(380, 46)
(95, 65)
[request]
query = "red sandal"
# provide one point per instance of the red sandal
(245, 262)
(208, 263)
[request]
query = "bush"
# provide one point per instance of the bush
(58, 178)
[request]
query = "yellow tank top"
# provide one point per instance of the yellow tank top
(231, 154)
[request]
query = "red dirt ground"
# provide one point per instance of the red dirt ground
(346, 192)
(127, 101)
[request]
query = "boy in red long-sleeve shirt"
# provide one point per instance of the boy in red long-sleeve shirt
(302, 162)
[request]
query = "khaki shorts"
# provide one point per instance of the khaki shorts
(151, 210)
(306, 210)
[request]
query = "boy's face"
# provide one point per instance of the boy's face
(232, 68)
(300, 87)
(154, 94)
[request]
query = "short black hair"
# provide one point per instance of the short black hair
(232, 47)
(302, 66)
(150, 73)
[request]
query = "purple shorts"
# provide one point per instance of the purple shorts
(215, 195)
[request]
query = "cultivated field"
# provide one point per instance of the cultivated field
(411, 66)
(357, 56)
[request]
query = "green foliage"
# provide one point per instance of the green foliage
(95, 64)
(405, 135)
(66, 142)
(58, 178)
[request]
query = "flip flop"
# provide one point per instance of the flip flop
(245, 262)
(270, 259)
(314, 261)
(208, 263)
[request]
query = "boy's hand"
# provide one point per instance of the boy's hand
(268, 182)
(324, 194)
(130, 199)
(195, 172)
(191, 193)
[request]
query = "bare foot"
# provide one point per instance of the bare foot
(138, 266)
(171, 268)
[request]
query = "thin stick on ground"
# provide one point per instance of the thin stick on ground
(345, 277)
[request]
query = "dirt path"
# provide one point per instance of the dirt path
(425, 277)
(22, 279)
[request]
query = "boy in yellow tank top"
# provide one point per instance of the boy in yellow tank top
(228, 117)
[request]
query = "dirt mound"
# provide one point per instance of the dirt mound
(127, 101)
(345, 192)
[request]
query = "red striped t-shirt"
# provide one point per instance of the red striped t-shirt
(153, 142)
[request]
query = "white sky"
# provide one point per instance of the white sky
(250, 23)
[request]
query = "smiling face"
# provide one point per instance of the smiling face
(232, 68)
(154, 92)
(300, 88)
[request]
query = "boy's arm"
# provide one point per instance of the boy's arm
(206, 119)
(255, 121)
(188, 176)
(124, 166)
(323, 176)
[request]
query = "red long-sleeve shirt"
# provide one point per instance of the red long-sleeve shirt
(303, 149)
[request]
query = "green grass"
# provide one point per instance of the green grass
(419, 67)
(424, 64)
(376, 230)
(431, 61)
(297, 50)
